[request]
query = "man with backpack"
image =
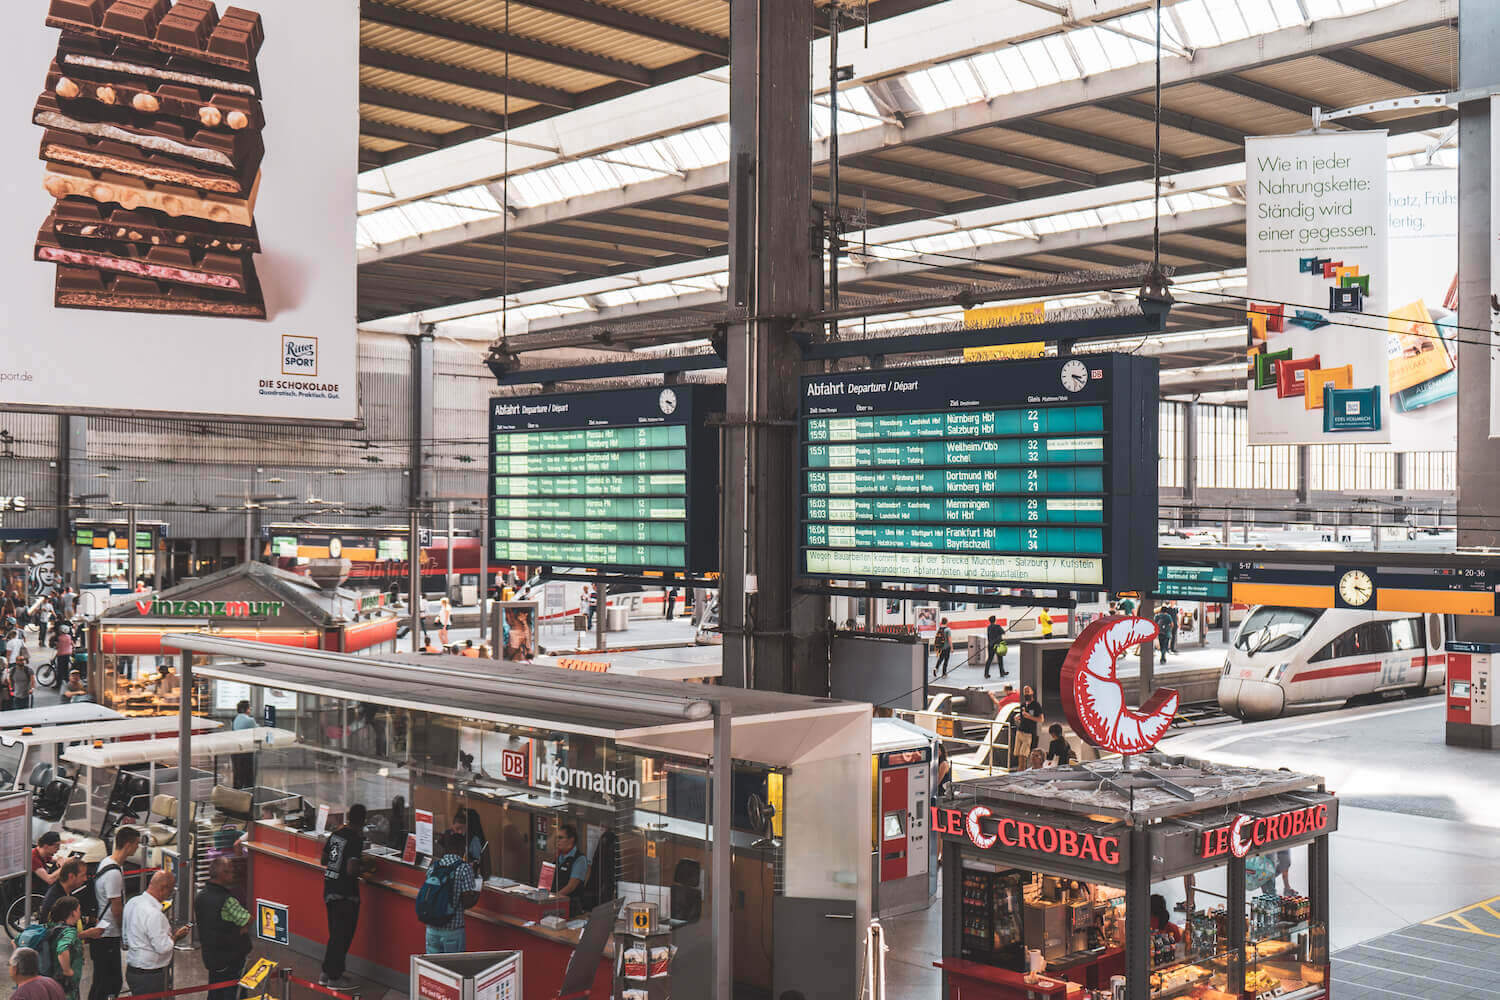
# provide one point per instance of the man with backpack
(343, 863)
(223, 928)
(447, 892)
(994, 638)
(70, 878)
(943, 643)
(108, 898)
(21, 681)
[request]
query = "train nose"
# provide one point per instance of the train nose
(1251, 700)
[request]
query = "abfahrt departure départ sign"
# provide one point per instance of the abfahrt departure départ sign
(1034, 474)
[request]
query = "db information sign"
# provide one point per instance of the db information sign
(273, 922)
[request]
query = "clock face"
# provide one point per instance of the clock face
(335, 548)
(668, 401)
(1356, 588)
(1075, 375)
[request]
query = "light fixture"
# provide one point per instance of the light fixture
(141, 479)
(101, 475)
(338, 472)
(275, 479)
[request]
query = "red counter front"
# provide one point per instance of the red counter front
(284, 868)
(976, 981)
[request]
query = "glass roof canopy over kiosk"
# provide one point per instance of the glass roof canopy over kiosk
(1079, 868)
(517, 752)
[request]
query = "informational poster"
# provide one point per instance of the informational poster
(273, 922)
(501, 981)
(177, 231)
(1422, 346)
(423, 830)
(1316, 233)
(15, 845)
(927, 622)
(321, 823)
(432, 982)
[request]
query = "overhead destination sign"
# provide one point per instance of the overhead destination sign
(1414, 589)
(1199, 582)
(1025, 473)
(618, 481)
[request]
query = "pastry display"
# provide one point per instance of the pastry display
(153, 142)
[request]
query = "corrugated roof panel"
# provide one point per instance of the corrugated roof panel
(406, 119)
(451, 93)
(1433, 53)
(1051, 150)
(1138, 132)
(710, 16)
(441, 50)
(1336, 86)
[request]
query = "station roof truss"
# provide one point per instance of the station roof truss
(1064, 138)
(435, 73)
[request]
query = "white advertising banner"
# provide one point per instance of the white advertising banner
(1422, 347)
(179, 207)
(1494, 271)
(1316, 258)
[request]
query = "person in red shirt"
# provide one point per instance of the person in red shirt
(43, 865)
(1161, 918)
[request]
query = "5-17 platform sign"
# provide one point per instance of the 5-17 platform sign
(1037, 474)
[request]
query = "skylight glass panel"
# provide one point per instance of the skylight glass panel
(1062, 59)
(1016, 68)
(1090, 52)
(1039, 62)
(1198, 23)
(922, 87)
(989, 70)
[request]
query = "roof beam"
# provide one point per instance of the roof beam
(685, 229)
(399, 133)
(567, 248)
(498, 41)
(430, 108)
(1390, 72)
(1277, 98)
(635, 24)
(1176, 119)
(849, 187)
(1004, 158)
(647, 241)
(1089, 141)
(489, 83)
(932, 175)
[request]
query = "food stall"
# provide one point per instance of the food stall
(1184, 877)
(248, 601)
(517, 751)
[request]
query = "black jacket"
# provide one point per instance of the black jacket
(224, 944)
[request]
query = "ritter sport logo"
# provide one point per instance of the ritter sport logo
(299, 355)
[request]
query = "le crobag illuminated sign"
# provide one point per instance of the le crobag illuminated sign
(986, 830)
(1247, 834)
(1094, 699)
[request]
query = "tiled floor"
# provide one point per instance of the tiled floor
(1453, 956)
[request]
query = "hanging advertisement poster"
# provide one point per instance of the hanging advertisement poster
(1316, 259)
(1494, 272)
(1422, 346)
(179, 209)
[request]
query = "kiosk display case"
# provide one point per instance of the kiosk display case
(1186, 878)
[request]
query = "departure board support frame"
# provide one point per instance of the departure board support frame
(620, 482)
(1038, 474)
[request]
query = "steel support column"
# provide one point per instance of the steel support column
(1304, 480)
(1478, 454)
(773, 638)
(421, 484)
(1189, 462)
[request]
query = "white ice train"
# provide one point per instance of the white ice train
(1289, 660)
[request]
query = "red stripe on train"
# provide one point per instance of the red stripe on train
(1344, 671)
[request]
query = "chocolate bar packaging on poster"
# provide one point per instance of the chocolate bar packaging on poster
(152, 143)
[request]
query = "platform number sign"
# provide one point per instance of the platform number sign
(273, 922)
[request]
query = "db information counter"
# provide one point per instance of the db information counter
(1178, 878)
(512, 754)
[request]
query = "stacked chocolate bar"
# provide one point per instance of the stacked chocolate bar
(153, 145)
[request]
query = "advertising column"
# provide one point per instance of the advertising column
(1316, 253)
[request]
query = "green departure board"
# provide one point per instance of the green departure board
(1027, 473)
(605, 481)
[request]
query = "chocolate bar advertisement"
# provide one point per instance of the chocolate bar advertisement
(1319, 284)
(1422, 346)
(179, 210)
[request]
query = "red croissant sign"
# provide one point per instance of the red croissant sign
(1093, 697)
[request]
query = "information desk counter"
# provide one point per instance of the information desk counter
(285, 868)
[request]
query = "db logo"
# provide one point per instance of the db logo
(515, 765)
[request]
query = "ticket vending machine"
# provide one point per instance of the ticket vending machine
(903, 758)
(1472, 720)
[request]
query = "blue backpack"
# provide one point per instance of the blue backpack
(42, 939)
(435, 905)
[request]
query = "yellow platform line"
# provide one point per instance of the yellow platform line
(1466, 926)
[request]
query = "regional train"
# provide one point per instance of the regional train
(1289, 660)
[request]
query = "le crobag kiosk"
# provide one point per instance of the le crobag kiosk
(1138, 876)
(902, 848)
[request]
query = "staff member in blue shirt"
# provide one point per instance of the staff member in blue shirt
(572, 868)
(244, 763)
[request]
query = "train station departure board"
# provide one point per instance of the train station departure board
(617, 481)
(1036, 474)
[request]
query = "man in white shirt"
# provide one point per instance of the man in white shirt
(149, 937)
(109, 895)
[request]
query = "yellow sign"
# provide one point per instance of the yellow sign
(257, 974)
(650, 848)
(1006, 352)
(640, 921)
(1016, 314)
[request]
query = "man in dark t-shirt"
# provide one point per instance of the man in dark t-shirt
(1029, 716)
(343, 863)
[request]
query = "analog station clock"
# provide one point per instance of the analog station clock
(1356, 588)
(1075, 375)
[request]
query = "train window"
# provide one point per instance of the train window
(1406, 633)
(1267, 629)
(1362, 640)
